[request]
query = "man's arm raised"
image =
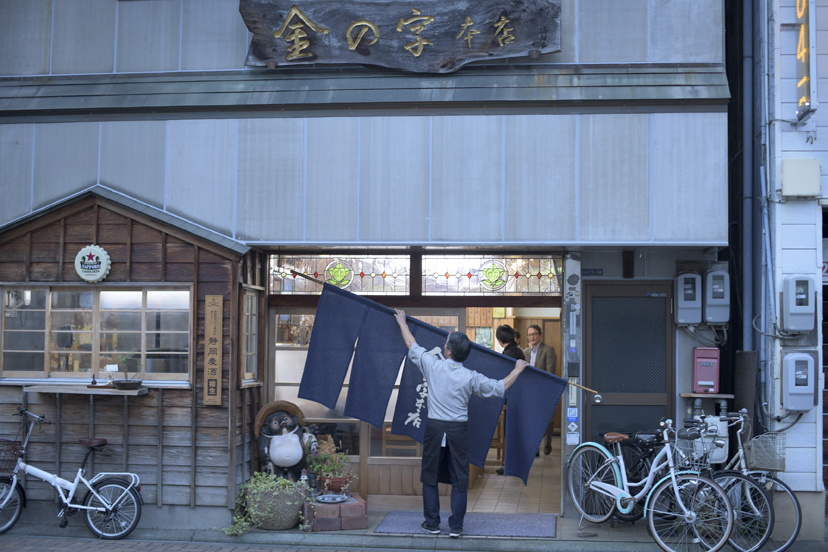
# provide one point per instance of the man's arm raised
(407, 336)
(510, 379)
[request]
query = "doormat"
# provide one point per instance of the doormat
(475, 524)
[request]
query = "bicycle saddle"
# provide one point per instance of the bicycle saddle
(91, 443)
(613, 437)
(689, 433)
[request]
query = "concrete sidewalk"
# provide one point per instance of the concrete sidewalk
(617, 538)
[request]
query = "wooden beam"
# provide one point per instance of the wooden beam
(163, 256)
(159, 471)
(28, 256)
(432, 301)
(58, 408)
(129, 250)
(95, 224)
(194, 379)
(91, 430)
(125, 463)
(233, 384)
(62, 246)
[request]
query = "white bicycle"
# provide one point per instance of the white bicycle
(111, 507)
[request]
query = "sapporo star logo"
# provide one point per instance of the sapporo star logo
(91, 257)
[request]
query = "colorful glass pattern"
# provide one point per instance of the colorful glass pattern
(487, 275)
(375, 275)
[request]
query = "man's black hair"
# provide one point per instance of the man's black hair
(505, 333)
(459, 345)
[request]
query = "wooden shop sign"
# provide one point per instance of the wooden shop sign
(213, 314)
(424, 37)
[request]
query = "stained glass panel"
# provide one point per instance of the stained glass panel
(366, 275)
(492, 275)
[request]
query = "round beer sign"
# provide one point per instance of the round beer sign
(92, 263)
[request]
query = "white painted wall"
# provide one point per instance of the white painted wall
(645, 179)
(796, 224)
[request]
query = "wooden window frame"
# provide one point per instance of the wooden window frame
(96, 333)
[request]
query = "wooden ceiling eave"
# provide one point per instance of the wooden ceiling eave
(83, 203)
(429, 301)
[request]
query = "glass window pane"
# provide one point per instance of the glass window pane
(24, 341)
(294, 329)
(168, 321)
(71, 320)
(23, 362)
(126, 359)
(25, 299)
(24, 319)
(168, 300)
(123, 342)
(63, 299)
(167, 342)
(167, 363)
(70, 340)
(70, 362)
(124, 321)
(121, 300)
(250, 364)
(397, 446)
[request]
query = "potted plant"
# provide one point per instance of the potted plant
(332, 468)
(269, 502)
(127, 382)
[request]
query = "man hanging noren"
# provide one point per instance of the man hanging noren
(446, 441)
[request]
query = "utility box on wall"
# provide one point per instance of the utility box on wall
(706, 370)
(800, 177)
(688, 293)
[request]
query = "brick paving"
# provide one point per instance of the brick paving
(48, 544)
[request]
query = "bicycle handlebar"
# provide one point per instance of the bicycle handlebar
(40, 419)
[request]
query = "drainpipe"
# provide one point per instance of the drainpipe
(747, 176)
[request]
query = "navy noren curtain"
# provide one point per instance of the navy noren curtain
(350, 326)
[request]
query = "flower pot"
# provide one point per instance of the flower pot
(123, 384)
(275, 510)
(334, 484)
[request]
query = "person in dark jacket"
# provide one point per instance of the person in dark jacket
(505, 335)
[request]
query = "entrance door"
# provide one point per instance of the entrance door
(629, 360)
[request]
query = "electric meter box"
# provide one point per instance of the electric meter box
(706, 370)
(798, 303)
(716, 297)
(688, 292)
(799, 382)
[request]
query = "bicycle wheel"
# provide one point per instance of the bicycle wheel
(752, 508)
(590, 464)
(637, 464)
(117, 521)
(13, 508)
(707, 523)
(787, 512)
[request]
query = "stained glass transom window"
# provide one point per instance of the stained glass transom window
(366, 275)
(490, 275)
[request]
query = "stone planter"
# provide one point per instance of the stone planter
(274, 510)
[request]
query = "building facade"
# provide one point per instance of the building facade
(605, 164)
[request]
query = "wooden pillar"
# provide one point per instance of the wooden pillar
(195, 380)
(91, 430)
(126, 435)
(159, 471)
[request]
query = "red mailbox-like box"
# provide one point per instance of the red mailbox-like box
(705, 370)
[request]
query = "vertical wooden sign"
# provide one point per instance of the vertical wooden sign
(213, 313)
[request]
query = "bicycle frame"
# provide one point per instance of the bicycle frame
(61, 484)
(622, 494)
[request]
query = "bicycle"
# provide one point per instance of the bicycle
(768, 457)
(752, 505)
(685, 511)
(111, 507)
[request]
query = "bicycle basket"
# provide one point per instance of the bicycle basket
(766, 452)
(9, 453)
(692, 454)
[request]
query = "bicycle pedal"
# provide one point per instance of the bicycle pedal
(64, 523)
(61, 512)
